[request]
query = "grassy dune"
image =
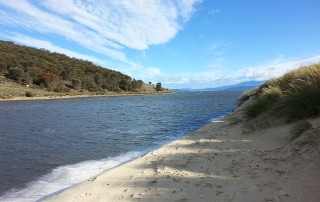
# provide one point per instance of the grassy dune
(293, 97)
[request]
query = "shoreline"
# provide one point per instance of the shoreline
(216, 162)
(58, 97)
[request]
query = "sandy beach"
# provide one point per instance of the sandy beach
(215, 163)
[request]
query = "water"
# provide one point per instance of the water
(48, 145)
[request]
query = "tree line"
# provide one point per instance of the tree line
(58, 72)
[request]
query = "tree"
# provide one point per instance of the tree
(3, 67)
(158, 86)
(76, 84)
(43, 68)
(136, 85)
(50, 79)
(35, 74)
(16, 73)
(89, 84)
(68, 74)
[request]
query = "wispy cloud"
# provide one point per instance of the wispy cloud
(103, 26)
(217, 51)
(213, 11)
(215, 77)
(274, 68)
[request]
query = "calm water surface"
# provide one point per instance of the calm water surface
(49, 145)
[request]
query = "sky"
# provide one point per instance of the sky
(180, 43)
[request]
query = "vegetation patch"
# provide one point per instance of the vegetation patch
(256, 124)
(298, 129)
(30, 94)
(246, 96)
(59, 73)
(295, 95)
(265, 101)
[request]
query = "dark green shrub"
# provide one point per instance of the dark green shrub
(16, 73)
(158, 87)
(30, 94)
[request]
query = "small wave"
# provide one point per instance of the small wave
(63, 177)
(216, 118)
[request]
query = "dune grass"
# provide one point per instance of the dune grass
(298, 129)
(295, 95)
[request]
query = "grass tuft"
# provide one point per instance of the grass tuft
(246, 95)
(298, 129)
(265, 101)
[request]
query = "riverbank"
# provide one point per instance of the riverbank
(55, 97)
(10, 91)
(215, 163)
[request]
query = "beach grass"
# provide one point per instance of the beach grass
(299, 128)
(295, 95)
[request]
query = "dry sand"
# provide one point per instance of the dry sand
(215, 163)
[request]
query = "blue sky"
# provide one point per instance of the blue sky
(181, 43)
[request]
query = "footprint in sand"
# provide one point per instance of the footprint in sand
(182, 200)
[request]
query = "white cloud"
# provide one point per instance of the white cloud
(217, 63)
(276, 67)
(217, 76)
(153, 72)
(146, 74)
(213, 47)
(104, 26)
(217, 51)
(213, 11)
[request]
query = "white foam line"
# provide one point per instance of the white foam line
(216, 118)
(63, 177)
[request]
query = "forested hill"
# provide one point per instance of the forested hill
(58, 72)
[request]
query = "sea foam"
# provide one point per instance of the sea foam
(63, 177)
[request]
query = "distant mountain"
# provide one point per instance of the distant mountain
(243, 86)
